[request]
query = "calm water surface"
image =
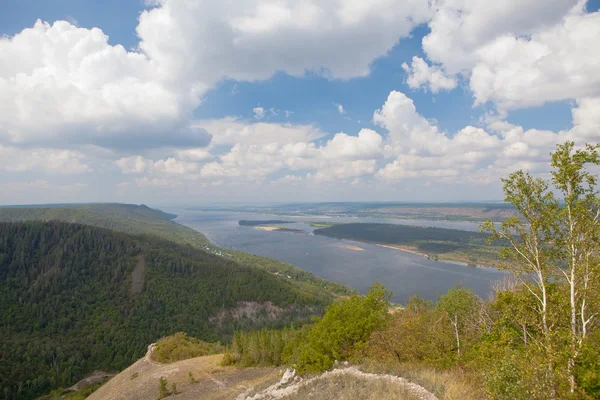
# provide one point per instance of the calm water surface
(403, 273)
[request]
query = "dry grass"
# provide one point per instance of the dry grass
(349, 387)
(445, 384)
(211, 380)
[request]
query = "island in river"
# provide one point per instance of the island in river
(471, 248)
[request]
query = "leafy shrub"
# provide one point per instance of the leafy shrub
(180, 346)
(345, 328)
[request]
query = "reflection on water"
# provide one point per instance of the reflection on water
(352, 263)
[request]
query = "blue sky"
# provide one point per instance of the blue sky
(414, 154)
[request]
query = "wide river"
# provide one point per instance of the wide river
(352, 263)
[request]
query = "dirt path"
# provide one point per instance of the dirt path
(211, 381)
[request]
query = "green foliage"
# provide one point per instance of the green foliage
(62, 394)
(264, 347)
(68, 309)
(460, 306)
(142, 220)
(304, 280)
(180, 346)
(555, 241)
(126, 218)
(162, 388)
(418, 333)
(345, 328)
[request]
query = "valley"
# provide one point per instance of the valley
(340, 260)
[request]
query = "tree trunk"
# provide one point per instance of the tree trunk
(455, 323)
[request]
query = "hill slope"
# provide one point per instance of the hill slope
(77, 298)
(126, 218)
(134, 219)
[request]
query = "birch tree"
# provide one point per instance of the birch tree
(577, 243)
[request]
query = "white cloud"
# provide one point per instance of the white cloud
(429, 77)
(340, 108)
(516, 58)
(60, 82)
(472, 155)
(155, 182)
(230, 131)
(133, 164)
(14, 159)
(367, 145)
(64, 84)
(194, 154)
(16, 192)
(460, 27)
(259, 112)
(168, 166)
(340, 37)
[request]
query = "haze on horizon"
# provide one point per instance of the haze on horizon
(261, 101)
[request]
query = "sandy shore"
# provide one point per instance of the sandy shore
(267, 228)
(350, 247)
(389, 246)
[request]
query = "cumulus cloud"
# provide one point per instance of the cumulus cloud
(14, 159)
(420, 74)
(340, 108)
(473, 154)
(60, 83)
(133, 164)
(518, 53)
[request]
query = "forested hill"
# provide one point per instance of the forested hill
(141, 219)
(127, 218)
(77, 298)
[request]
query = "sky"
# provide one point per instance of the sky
(184, 102)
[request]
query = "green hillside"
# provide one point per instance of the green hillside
(143, 220)
(126, 218)
(77, 298)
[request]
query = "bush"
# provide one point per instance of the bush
(344, 329)
(180, 346)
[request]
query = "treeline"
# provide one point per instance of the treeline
(451, 244)
(68, 308)
(537, 337)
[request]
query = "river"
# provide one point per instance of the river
(352, 263)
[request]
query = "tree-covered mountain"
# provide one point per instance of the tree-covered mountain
(126, 218)
(78, 298)
(141, 219)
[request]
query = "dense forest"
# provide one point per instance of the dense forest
(126, 218)
(143, 220)
(70, 303)
(450, 244)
